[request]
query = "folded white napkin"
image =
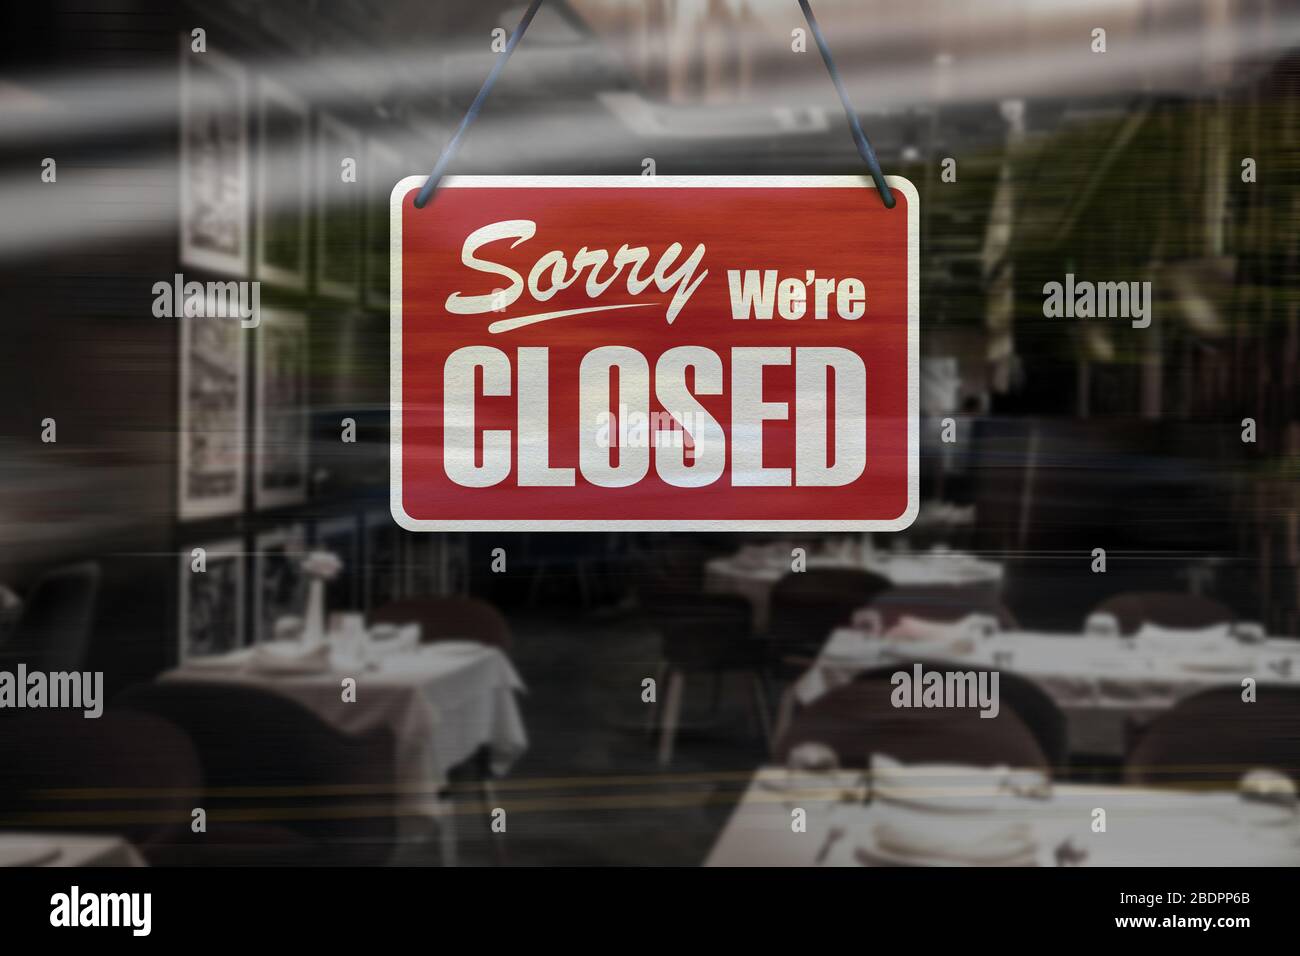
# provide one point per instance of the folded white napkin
(403, 639)
(289, 657)
(1182, 643)
(1219, 662)
(910, 628)
(1206, 640)
(975, 624)
(953, 787)
(851, 644)
(909, 827)
(954, 637)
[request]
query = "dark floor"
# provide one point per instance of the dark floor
(589, 791)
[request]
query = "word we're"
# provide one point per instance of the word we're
(752, 296)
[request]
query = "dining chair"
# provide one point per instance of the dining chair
(859, 719)
(1211, 738)
(282, 787)
(805, 606)
(703, 634)
(449, 618)
(672, 564)
(53, 630)
(560, 556)
(1164, 609)
(1033, 705)
(123, 772)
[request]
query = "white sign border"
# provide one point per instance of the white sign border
(903, 521)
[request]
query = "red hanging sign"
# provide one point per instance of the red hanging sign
(654, 353)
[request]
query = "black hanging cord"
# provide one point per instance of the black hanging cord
(449, 150)
(859, 137)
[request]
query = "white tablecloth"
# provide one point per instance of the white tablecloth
(752, 572)
(1098, 681)
(441, 702)
(1143, 827)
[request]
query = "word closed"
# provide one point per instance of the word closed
(668, 353)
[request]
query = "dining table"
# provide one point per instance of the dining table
(52, 848)
(442, 702)
(1102, 683)
(944, 818)
(753, 571)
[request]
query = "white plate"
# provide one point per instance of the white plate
(946, 789)
(869, 853)
(27, 851)
(952, 788)
(936, 801)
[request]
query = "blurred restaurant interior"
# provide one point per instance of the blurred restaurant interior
(177, 500)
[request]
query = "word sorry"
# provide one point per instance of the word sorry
(56, 690)
(553, 268)
(923, 688)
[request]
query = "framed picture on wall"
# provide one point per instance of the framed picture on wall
(213, 376)
(383, 169)
(214, 162)
(211, 600)
(279, 586)
(339, 219)
(283, 186)
(341, 537)
(381, 560)
(280, 446)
